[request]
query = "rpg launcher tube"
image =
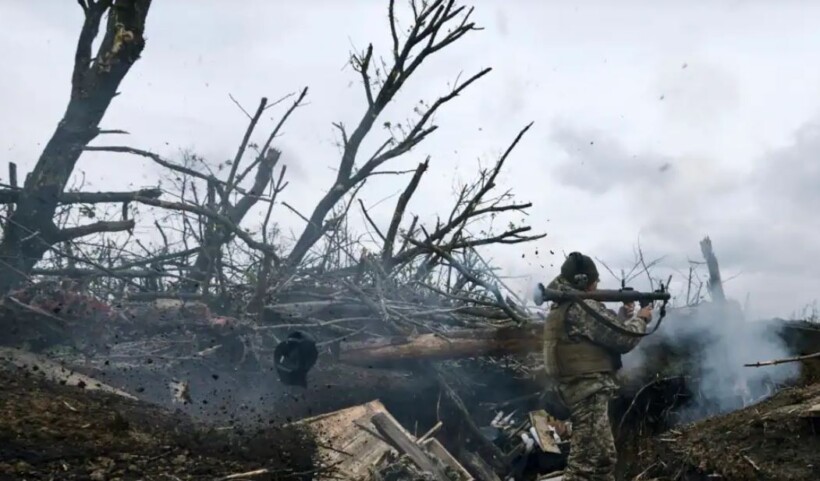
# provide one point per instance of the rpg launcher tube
(552, 295)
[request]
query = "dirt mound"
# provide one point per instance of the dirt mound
(778, 439)
(51, 431)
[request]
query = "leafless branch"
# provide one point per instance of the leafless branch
(156, 158)
(244, 144)
(370, 221)
(398, 212)
(429, 21)
(502, 303)
(11, 196)
(97, 227)
(272, 135)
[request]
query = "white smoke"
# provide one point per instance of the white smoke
(719, 341)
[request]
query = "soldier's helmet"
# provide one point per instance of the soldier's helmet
(579, 270)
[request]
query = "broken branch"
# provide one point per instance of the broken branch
(783, 361)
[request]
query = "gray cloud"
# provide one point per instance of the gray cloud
(697, 93)
(761, 215)
(597, 163)
(790, 178)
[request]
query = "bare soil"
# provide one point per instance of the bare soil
(54, 432)
(772, 440)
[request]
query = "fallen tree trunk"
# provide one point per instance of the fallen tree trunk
(458, 344)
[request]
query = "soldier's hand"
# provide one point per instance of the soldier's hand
(628, 309)
(646, 313)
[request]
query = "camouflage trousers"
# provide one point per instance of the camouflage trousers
(592, 454)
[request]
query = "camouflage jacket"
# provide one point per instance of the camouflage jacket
(581, 323)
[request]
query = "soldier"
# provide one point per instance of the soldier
(583, 344)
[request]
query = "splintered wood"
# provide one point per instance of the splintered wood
(394, 434)
(812, 411)
(350, 442)
(544, 426)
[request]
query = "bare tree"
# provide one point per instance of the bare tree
(435, 25)
(30, 230)
(226, 203)
(205, 248)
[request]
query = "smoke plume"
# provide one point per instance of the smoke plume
(710, 344)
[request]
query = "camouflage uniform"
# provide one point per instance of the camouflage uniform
(585, 385)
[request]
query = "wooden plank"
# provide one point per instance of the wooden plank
(351, 442)
(436, 449)
(478, 466)
(429, 434)
(405, 445)
(340, 431)
(540, 420)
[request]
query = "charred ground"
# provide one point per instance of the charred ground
(52, 431)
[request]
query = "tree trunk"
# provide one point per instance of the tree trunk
(218, 235)
(458, 345)
(30, 230)
(715, 284)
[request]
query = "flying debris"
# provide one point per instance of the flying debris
(294, 357)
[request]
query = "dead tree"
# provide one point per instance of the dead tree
(715, 285)
(209, 208)
(474, 203)
(30, 230)
(218, 235)
(222, 211)
(435, 25)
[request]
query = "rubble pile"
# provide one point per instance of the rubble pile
(375, 406)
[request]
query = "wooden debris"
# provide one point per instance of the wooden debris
(540, 420)
(54, 371)
(429, 434)
(812, 409)
(478, 467)
(458, 344)
(405, 445)
(496, 458)
(782, 361)
(749, 460)
(438, 451)
(344, 430)
(247, 474)
(349, 441)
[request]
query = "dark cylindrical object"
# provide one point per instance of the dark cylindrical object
(626, 295)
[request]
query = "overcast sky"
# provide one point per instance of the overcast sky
(658, 121)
